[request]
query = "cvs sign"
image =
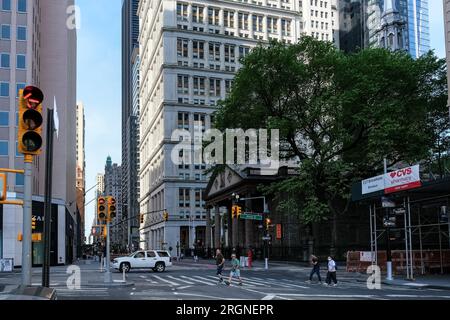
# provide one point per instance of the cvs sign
(403, 179)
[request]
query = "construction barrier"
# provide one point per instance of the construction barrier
(425, 262)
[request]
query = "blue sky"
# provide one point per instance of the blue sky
(99, 80)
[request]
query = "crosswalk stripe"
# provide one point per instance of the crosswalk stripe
(247, 281)
(151, 281)
(201, 281)
(168, 281)
(185, 281)
(278, 283)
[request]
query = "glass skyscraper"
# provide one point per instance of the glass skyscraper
(361, 20)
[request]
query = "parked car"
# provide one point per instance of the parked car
(157, 260)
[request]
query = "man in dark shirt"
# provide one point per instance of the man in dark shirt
(220, 261)
(315, 269)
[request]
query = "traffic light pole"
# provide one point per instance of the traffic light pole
(27, 203)
(48, 199)
(108, 276)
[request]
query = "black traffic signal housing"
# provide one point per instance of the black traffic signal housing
(142, 218)
(29, 133)
(111, 208)
(166, 215)
(101, 209)
(33, 223)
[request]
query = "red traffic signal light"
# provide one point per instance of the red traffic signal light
(111, 208)
(101, 208)
(30, 121)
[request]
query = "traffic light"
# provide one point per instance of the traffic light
(268, 223)
(142, 218)
(233, 212)
(33, 223)
(101, 209)
(238, 211)
(166, 216)
(29, 134)
(111, 208)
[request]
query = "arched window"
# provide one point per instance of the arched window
(383, 43)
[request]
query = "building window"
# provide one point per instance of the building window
(4, 118)
(183, 120)
(19, 86)
(272, 25)
(258, 23)
(22, 6)
(199, 122)
(213, 16)
(4, 89)
(20, 179)
(182, 48)
(22, 33)
(214, 51)
(184, 198)
(197, 14)
(199, 86)
(18, 154)
(4, 60)
(4, 148)
(182, 12)
(214, 87)
(243, 21)
(230, 53)
(198, 49)
(5, 32)
(228, 19)
(183, 84)
(21, 61)
(6, 5)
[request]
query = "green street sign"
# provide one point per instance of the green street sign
(251, 216)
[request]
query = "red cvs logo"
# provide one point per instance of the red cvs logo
(401, 173)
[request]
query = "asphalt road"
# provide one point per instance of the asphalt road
(190, 281)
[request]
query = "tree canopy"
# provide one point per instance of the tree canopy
(339, 114)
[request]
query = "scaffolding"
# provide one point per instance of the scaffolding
(424, 230)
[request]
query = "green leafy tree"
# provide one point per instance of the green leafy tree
(339, 114)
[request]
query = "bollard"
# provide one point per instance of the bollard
(101, 264)
(124, 276)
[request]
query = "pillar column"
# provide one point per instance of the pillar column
(208, 229)
(217, 227)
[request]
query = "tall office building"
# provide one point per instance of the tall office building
(37, 48)
(362, 22)
(130, 81)
(113, 187)
(189, 53)
(81, 166)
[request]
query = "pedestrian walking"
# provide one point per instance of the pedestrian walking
(331, 275)
(220, 262)
(235, 272)
(315, 269)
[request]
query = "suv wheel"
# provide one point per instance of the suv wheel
(125, 266)
(160, 267)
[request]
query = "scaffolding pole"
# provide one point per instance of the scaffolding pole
(411, 254)
(422, 266)
(406, 240)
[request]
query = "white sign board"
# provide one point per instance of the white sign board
(365, 256)
(373, 184)
(6, 265)
(403, 179)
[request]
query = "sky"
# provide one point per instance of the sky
(99, 81)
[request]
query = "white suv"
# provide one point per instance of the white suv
(157, 260)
